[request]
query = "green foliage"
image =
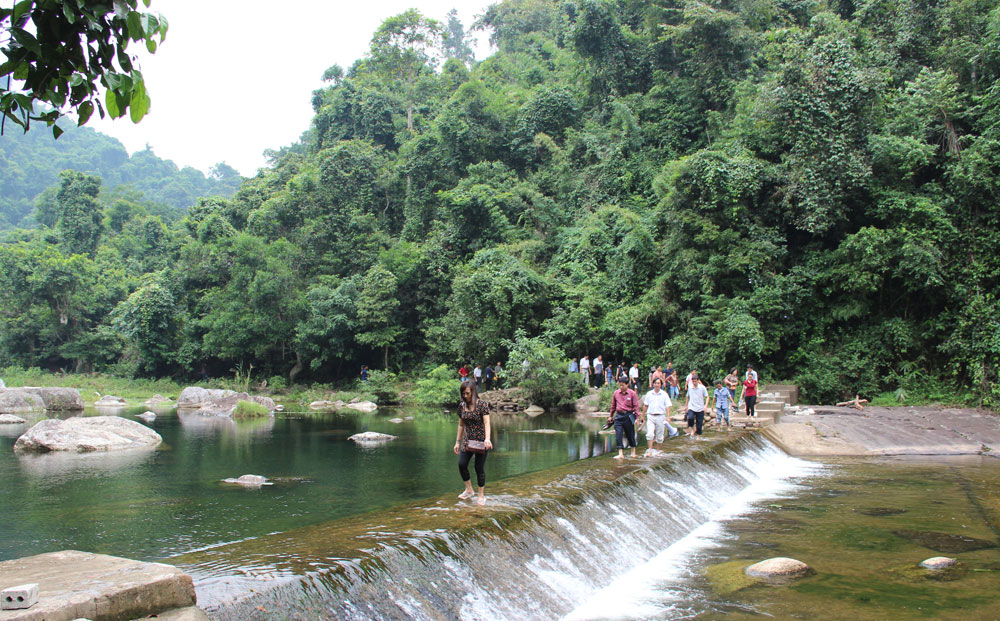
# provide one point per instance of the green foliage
(72, 52)
(249, 409)
(439, 387)
(540, 370)
(383, 384)
(808, 188)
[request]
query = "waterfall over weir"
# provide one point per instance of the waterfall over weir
(547, 543)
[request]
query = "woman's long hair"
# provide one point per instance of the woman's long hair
(471, 384)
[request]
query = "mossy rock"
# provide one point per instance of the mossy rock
(729, 577)
(249, 409)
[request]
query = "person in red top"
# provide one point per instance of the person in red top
(463, 373)
(750, 394)
(624, 406)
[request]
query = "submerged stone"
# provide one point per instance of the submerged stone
(938, 562)
(778, 567)
(109, 401)
(370, 438)
(148, 416)
(945, 542)
(248, 480)
(534, 410)
(362, 406)
(10, 419)
(880, 511)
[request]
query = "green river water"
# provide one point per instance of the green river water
(152, 505)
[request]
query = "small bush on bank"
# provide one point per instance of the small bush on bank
(440, 387)
(541, 370)
(383, 384)
(249, 409)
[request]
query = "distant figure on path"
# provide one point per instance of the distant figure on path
(657, 374)
(463, 372)
(598, 371)
(477, 373)
(689, 382)
(499, 373)
(656, 413)
(751, 373)
(732, 382)
(573, 366)
(624, 407)
(633, 376)
(609, 375)
(697, 400)
(673, 385)
(585, 370)
(204, 371)
(474, 426)
(364, 373)
(488, 377)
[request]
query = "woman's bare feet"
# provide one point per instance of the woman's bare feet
(466, 494)
(481, 500)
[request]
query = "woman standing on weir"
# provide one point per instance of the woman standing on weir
(473, 426)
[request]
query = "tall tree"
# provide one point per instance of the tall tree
(376, 309)
(80, 218)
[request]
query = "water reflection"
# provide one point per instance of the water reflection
(60, 466)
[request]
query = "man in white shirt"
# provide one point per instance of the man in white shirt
(690, 377)
(751, 373)
(633, 376)
(599, 370)
(585, 369)
(697, 399)
(656, 412)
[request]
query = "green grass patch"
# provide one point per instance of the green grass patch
(249, 409)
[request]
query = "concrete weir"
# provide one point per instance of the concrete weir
(80, 585)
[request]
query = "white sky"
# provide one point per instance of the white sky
(235, 77)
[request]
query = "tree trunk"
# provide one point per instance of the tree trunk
(385, 364)
(409, 118)
(295, 369)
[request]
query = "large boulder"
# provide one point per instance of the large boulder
(589, 402)
(57, 399)
(217, 402)
(15, 400)
(85, 434)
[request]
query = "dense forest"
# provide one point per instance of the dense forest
(808, 186)
(30, 164)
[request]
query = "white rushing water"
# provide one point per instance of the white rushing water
(645, 592)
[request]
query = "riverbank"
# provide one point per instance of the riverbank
(845, 431)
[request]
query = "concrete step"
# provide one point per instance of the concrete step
(76, 585)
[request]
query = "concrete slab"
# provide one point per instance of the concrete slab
(98, 587)
(889, 431)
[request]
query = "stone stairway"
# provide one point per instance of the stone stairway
(770, 404)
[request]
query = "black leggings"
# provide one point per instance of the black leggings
(463, 466)
(751, 403)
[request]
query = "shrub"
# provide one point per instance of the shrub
(383, 384)
(249, 409)
(440, 387)
(541, 370)
(277, 383)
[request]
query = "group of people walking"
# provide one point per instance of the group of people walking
(628, 412)
(486, 379)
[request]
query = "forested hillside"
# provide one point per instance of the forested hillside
(807, 186)
(30, 163)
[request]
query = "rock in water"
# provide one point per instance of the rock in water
(157, 399)
(362, 406)
(248, 480)
(148, 416)
(84, 434)
(395, 421)
(10, 419)
(58, 399)
(371, 438)
(533, 410)
(779, 567)
(938, 562)
(217, 402)
(109, 401)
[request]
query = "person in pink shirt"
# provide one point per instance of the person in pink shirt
(624, 408)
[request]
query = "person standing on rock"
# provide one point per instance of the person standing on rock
(473, 425)
(598, 370)
(656, 414)
(585, 370)
(633, 376)
(477, 373)
(722, 400)
(609, 374)
(697, 400)
(463, 373)
(624, 407)
(732, 382)
(488, 375)
(573, 366)
(498, 372)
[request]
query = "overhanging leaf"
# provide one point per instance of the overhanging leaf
(140, 102)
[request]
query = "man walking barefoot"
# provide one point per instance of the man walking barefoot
(624, 406)
(697, 399)
(656, 413)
